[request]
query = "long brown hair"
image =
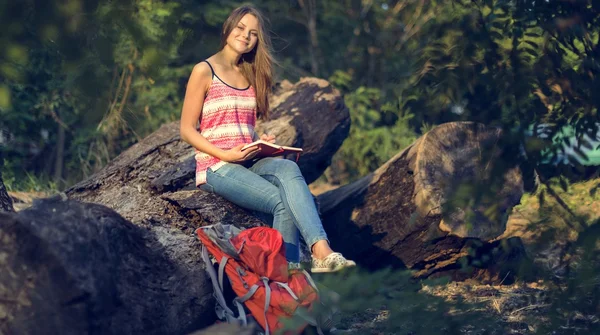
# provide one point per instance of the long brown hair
(256, 65)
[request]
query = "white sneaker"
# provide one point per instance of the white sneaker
(332, 263)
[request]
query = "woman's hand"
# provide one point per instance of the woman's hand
(268, 138)
(236, 155)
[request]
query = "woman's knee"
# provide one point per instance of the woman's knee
(287, 169)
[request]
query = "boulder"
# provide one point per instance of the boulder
(68, 267)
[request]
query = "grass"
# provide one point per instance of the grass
(28, 183)
(547, 228)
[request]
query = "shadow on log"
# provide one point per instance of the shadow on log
(396, 216)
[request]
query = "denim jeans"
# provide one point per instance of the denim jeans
(274, 186)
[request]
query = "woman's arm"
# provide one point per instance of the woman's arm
(197, 86)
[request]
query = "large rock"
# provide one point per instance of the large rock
(399, 215)
(73, 268)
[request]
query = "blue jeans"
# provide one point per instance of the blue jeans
(274, 186)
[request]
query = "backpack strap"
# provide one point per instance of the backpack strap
(239, 300)
(288, 289)
(310, 280)
(223, 312)
(267, 302)
(241, 312)
(253, 289)
(221, 270)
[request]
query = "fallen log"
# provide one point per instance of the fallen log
(399, 216)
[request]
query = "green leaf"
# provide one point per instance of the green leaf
(533, 44)
(530, 52)
(162, 12)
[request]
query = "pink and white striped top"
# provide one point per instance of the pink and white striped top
(228, 119)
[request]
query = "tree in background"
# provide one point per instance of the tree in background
(83, 80)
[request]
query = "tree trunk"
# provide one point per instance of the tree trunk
(310, 13)
(398, 215)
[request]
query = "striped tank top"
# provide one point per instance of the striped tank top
(228, 119)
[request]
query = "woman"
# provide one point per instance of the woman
(225, 94)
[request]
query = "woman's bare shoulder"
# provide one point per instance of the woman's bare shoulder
(200, 78)
(202, 70)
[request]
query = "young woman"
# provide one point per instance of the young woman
(224, 95)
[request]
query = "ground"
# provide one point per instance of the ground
(525, 306)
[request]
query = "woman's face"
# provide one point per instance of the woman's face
(244, 36)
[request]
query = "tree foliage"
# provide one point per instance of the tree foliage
(83, 80)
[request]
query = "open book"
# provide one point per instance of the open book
(268, 149)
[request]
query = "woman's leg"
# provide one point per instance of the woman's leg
(299, 202)
(249, 190)
(296, 197)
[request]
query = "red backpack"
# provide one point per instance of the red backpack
(254, 261)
